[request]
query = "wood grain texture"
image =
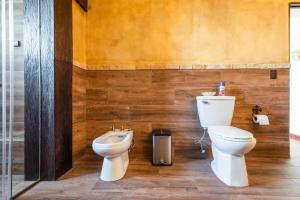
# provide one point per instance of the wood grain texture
(190, 178)
(47, 92)
(63, 57)
(32, 89)
(79, 140)
(56, 87)
(145, 99)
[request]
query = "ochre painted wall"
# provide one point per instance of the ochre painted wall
(158, 32)
(79, 35)
(79, 142)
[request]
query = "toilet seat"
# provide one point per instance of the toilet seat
(231, 133)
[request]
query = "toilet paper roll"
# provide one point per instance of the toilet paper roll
(261, 119)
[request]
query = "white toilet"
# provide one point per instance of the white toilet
(113, 146)
(229, 144)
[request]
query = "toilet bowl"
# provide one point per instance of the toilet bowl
(113, 146)
(229, 144)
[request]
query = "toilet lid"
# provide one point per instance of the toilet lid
(215, 98)
(230, 133)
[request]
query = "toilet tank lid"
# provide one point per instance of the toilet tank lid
(215, 97)
(230, 132)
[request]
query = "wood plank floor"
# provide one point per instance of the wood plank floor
(18, 184)
(189, 178)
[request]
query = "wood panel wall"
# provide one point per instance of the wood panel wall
(48, 88)
(144, 100)
(79, 112)
(62, 85)
(32, 89)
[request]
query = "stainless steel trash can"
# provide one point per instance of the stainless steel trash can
(162, 147)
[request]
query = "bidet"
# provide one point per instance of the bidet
(114, 147)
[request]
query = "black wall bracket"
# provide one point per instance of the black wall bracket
(83, 4)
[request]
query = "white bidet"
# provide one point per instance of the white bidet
(113, 146)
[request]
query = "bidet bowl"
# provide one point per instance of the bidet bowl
(113, 146)
(103, 147)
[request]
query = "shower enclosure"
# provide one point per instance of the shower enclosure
(13, 178)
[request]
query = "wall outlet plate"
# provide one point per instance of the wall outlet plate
(273, 74)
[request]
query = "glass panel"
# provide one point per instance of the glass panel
(12, 98)
(18, 158)
(4, 186)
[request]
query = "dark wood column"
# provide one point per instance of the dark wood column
(63, 57)
(55, 85)
(32, 90)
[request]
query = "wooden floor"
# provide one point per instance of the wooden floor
(188, 178)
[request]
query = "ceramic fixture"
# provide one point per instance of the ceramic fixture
(113, 146)
(229, 144)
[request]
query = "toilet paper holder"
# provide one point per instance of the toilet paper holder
(256, 110)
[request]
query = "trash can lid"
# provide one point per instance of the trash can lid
(161, 132)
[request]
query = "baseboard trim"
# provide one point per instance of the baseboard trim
(295, 137)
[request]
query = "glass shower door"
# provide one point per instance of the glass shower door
(7, 96)
(12, 137)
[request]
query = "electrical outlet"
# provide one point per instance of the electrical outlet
(273, 74)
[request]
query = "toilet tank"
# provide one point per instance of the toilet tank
(215, 110)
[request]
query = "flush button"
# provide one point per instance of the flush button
(273, 74)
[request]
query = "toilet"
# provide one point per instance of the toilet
(229, 144)
(113, 146)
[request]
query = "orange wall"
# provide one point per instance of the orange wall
(79, 35)
(147, 32)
